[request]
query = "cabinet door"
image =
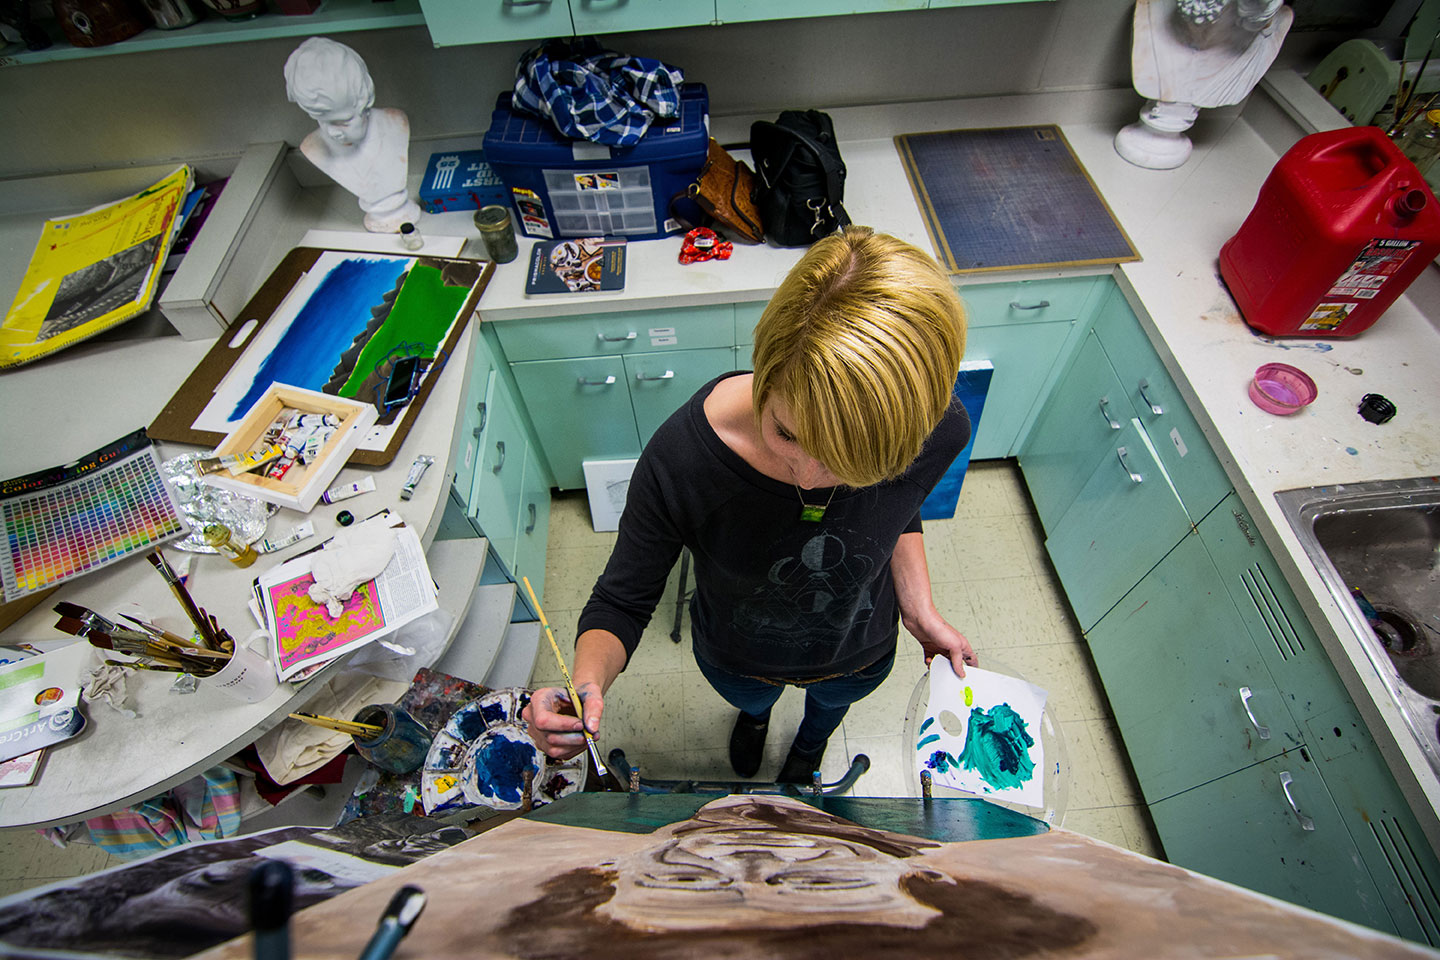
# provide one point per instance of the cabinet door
(1184, 451)
(617, 334)
(1121, 523)
(534, 528)
(1184, 679)
(474, 417)
(495, 496)
(1081, 416)
(1023, 355)
(454, 22)
(734, 11)
(661, 382)
(1027, 301)
(614, 16)
(1250, 828)
(581, 411)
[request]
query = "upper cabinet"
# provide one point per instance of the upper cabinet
(455, 22)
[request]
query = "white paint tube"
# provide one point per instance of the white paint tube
(301, 531)
(417, 470)
(345, 491)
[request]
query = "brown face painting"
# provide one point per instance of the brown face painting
(754, 876)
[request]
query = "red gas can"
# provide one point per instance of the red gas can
(1342, 225)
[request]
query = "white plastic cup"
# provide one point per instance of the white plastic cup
(249, 677)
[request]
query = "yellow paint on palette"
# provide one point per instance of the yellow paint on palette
(969, 696)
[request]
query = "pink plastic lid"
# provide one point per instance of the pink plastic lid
(1281, 389)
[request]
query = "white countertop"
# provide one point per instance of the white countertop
(1178, 219)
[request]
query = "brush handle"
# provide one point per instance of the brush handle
(569, 684)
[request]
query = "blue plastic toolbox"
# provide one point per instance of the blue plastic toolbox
(576, 188)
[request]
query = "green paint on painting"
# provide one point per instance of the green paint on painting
(997, 746)
(423, 312)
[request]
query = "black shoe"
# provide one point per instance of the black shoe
(747, 743)
(800, 767)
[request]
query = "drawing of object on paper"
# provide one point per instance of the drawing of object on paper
(304, 630)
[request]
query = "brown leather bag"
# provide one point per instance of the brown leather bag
(725, 191)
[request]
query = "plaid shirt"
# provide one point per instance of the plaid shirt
(591, 93)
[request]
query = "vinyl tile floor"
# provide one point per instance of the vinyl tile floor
(991, 578)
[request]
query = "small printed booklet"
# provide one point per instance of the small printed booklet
(577, 266)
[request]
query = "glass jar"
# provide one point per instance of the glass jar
(1421, 140)
(219, 536)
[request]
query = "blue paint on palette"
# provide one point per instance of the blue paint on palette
(335, 313)
(500, 768)
(494, 713)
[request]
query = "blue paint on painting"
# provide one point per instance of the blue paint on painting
(941, 761)
(1352, 451)
(500, 768)
(930, 739)
(331, 318)
(997, 746)
(924, 726)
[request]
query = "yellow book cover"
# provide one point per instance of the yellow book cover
(92, 271)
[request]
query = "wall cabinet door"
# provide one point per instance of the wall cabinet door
(734, 11)
(615, 16)
(533, 528)
(1080, 418)
(454, 22)
(1191, 695)
(1250, 828)
(581, 411)
(660, 383)
(495, 496)
(1121, 523)
(1023, 355)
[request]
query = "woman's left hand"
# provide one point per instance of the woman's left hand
(938, 638)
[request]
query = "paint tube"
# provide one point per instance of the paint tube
(316, 443)
(412, 480)
(238, 463)
(295, 441)
(345, 491)
(301, 532)
(310, 420)
(281, 467)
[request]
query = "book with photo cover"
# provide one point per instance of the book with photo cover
(577, 265)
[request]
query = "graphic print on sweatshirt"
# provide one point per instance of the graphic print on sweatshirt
(816, 596)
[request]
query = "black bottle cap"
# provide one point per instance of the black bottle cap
(1376, 409)
(344, 518)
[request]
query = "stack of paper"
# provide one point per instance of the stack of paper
(307, 637)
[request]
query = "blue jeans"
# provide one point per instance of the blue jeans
(826, 701)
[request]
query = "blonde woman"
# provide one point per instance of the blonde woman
(797, 489)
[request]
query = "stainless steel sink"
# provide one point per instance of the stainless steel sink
(1377, 546)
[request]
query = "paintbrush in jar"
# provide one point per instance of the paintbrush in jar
(569, 684)
(202, 626)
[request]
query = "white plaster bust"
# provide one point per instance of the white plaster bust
(363, 149)
(1189, 54)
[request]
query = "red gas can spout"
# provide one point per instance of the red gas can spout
(1407, 202)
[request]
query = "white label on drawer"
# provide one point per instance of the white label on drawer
(1179, 444)
(663, 337)
(469, 454)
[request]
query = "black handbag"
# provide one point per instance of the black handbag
(802, 178)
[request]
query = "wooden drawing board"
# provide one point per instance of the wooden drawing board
(177, 421)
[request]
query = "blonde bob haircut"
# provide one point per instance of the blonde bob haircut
(862, 341)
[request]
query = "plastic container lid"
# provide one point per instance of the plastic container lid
(1281, 389)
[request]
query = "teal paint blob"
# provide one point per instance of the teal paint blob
(926, 724)
(924, 740)
(997, 746)
(941, 761)
(1352, 451)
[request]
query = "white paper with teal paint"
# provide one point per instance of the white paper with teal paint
(981, 734)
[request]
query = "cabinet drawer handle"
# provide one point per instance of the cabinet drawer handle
(667, 375)
(1134, 477)
(1105, 412)
(1260, 728)
(499, 449)
(484, 415)
(1285, 782)
(1040, 305)
(1155, 408)
(524, 3)
(596, 383)
(534, 516)
(628, 336)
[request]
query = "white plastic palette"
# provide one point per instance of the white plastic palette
(482, 755)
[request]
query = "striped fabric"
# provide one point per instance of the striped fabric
(591, 93)
(206, 807)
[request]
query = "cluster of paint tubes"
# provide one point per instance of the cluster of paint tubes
(293, 437)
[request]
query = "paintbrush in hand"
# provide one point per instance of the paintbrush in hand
(569, 684)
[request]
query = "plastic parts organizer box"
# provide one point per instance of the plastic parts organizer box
(576, 188)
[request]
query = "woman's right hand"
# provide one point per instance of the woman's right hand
(553, 724)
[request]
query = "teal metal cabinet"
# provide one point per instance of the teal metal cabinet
(533, 525)
(1084, 412)
(495, 496)
(1125, 518)
(735, 11)
(475, 415)
(616, 16)
(661, 382)
(1191, 695)
(1189, 462)
(581, 411)
(454, 22)
(1273, 827)
(617, 334)
(1023, 356)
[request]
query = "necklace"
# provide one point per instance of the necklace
(812, 512)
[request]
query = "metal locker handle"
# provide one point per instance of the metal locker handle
(667, 375)
(1155, 408)
(1029, 306)
(628, 336)
(1285, 783)
(500, 449)
(1260, 728)
(1105, 412)
(1134, 477)
(596, 383)
(534, 517)
(484, 415)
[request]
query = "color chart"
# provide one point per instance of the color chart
(68, 521)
